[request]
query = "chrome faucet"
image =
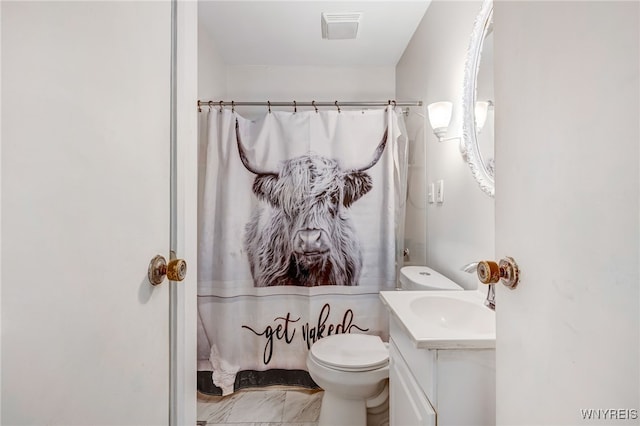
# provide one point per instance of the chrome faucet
(490, 301)
(470, 267)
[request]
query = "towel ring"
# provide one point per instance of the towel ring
(337, 106)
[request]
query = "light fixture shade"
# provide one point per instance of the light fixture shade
(440, 116)
(481, 110)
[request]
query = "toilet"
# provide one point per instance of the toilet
(353, 369)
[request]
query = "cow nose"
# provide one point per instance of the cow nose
(310, 241)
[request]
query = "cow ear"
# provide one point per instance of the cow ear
(264, 186)
(356, 184)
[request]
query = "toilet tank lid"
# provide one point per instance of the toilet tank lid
(415, 277)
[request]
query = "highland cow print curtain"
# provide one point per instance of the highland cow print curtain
(298, 218)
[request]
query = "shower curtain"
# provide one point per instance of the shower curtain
(300, 221)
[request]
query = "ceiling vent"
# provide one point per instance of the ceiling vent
(340, 26)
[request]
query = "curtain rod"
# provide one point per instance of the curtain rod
(314, 104)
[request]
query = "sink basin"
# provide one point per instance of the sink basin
(443, 319)
(454, 314)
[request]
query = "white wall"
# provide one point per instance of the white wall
(567, 209)
(461, 230)
(212, 73)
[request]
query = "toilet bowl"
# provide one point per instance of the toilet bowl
(353, 369)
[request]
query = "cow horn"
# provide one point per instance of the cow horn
(243, 156)
(378, 153)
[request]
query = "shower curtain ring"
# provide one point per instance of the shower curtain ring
(233, 106)
(314, 106)
(394, 104)
(295, 107)
(199, 106)
(210, 103)
(337, 106)
(269, 105)
(221, 105)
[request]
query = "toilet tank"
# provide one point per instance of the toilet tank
(425, 278)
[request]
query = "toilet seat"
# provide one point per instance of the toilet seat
(350, 352)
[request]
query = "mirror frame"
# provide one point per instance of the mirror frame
(469, 146)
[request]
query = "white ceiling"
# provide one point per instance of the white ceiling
(289, 32)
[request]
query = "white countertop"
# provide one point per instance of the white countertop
(436, 320)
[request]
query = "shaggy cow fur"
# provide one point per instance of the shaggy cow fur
(309, 192)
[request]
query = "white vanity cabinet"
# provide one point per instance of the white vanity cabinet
(439, 386)
(408, 405)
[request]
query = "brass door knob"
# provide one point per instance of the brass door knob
(176, 270)
(507, 271)
(488, 272)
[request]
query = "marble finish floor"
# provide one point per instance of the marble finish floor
(273, 407)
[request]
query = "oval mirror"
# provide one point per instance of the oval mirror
(477, 101)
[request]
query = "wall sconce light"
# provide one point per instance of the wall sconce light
(480, 112)
(481, 109)
(439, 118)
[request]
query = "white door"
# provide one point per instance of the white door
(85, 206)
(567, 195)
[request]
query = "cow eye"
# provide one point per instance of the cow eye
(333, 197)
(334, 200)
